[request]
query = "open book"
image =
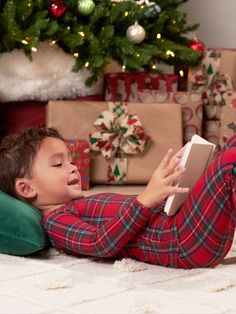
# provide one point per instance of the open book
(196, 157)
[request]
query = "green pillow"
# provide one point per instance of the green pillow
(21, 232)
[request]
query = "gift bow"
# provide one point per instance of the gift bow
(210, 82)
(119, 133)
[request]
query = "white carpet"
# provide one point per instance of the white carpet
(53, 282)
(56, 283)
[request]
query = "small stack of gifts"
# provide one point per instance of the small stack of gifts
(215, 79)
(144, 114)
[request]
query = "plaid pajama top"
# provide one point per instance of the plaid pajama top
(109, 224)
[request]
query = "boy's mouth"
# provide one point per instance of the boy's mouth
(74, 182)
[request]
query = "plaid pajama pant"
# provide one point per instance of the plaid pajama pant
(199, 235)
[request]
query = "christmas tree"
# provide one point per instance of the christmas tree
(137, 34)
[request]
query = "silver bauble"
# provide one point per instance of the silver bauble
(136, 33)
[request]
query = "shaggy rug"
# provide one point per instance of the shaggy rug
(56, 283)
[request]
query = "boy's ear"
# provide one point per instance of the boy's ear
(24, 189)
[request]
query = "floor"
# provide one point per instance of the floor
(55, 283)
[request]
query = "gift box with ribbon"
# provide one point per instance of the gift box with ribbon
(124, 86)
(127, 140)
(211, 131)
(212, 82)
(191, 108)
(81, 158)
(228, 117)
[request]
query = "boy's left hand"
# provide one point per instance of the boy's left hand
(161, 183)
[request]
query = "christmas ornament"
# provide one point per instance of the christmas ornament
(135, 33)
(85, 7)
(57, 8)
(197, 45)
(152, 11)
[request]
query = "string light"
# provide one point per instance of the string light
(123, 68)
(137, 55)
(53, 42)
(34, 49)
(158, 36)
(181, 73)
(68, 28)
(126, 13)
(76, 55)
(170, 53)
(81, 34)
(86, 64)
(25, 42)
(154, 67)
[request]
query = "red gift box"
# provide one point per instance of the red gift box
(124, 86)
(81, 158)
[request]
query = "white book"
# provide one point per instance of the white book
(196, 157)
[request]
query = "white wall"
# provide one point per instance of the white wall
(217, 19)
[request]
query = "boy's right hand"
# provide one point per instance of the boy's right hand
(161, 183)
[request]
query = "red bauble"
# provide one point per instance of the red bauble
(57, 8)
(197, 45)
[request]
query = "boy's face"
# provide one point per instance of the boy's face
(54, 178)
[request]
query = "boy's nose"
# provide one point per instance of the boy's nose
(73, 168)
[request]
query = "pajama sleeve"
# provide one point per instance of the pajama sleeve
(70, 233)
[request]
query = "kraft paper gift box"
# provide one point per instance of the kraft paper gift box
(162, 123)
(215, 76)
(191, 108)
(81, 158)
(124, 86)
(211, 131)
(228, 117)
(222, 60)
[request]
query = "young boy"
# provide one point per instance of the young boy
(36, 168)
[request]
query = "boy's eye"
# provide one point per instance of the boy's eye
(57, 165)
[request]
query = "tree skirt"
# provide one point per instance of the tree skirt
(48, 76)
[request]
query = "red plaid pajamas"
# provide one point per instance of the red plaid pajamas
(199, 235)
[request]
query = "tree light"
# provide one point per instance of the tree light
(25, 42)
(181, 73)
(170, 53)
(81, 34)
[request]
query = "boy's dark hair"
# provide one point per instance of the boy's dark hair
(17, 152)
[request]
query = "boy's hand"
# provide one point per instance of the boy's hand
(161, 183)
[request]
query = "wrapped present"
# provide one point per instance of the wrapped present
(211, 131)
(228, 117)
(17, 115)
(216, 60)
(191, 108)
(124, 86)
(126, 149)
(81, 158)
(21, 114)
(212, 83)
